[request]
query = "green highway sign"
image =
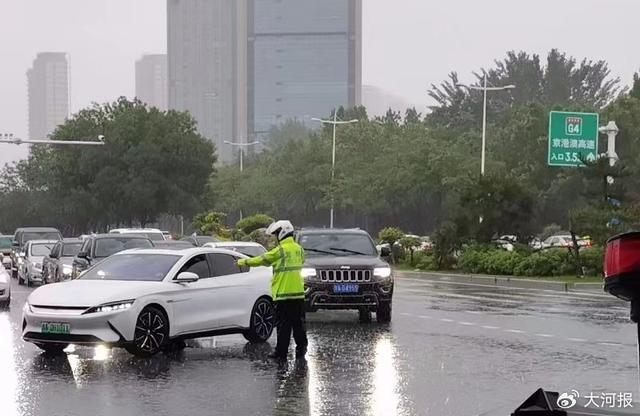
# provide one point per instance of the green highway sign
(572, 138)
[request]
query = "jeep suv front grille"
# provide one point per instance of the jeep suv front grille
(362, 275)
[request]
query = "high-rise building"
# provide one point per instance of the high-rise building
(151, 80)
(48, 89)
(243, 66)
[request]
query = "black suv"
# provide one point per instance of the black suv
(343, 270)
(98, 247)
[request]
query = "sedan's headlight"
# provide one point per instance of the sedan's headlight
(26, 307)
(67, 270)
(111, 307)
(308, 272)
(382, 273)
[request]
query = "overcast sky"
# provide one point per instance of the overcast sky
(407, 45)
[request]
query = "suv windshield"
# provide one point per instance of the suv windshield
(5, 242)
(41, 249)
(71, 249)
(50, 235)
(145, 267)
(339, 244)
(106, 247)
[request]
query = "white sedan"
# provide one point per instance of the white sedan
(145, 300)
(5, 287)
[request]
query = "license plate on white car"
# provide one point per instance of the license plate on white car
(55, 328)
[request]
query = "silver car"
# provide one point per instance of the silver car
(30, 270)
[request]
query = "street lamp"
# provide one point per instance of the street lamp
(484, 89)
(9, 138)
(333, 122)
(241, 145)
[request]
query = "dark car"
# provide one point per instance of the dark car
(98, 247)
(57, 266)
(22, 236)
(6, 243)
(199, 240)
(343, 270)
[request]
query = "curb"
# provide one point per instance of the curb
(506, 281)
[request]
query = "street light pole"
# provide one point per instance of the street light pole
(333, 122)
(241, 144)
(8, 138)
(485, 89)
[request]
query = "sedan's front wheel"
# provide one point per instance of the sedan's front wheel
(151, 333)
(262, 321)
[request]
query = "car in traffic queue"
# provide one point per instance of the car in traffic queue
(248, 248)
(35, 251)
(343, 270)
(5, 287)
(152, 234)
(6, 244)
(564, 241)
(22, 236)
(146, 300)
(97, 247)
(199, 240)
(173, 244)
(57, 266)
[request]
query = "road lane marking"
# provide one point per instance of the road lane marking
(446, 320)
(515, 331)
(577, 339)
(610, 344)
(465, 323)
(490, 327)
(424, 317)
(568, 294)
(544, 335)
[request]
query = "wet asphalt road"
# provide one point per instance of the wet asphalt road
(451, 349)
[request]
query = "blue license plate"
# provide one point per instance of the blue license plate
(345, 288)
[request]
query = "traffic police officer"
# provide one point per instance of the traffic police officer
(287, 288)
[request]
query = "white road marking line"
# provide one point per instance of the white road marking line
(610, 344)
(446, 320)
(544, 335)
(424, 317)
(405, 314)
(568, 294)
(474, 312)
(465, 323)
(577, 339)
(490, 327)
(515, 331)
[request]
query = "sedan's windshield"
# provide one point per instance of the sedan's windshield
(251, 251)
(339, 244)
(106, 247)
(41, 249)
(139, 267)
(40, 236)
(71, 249)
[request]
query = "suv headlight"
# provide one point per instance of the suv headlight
(382, 273)
(111, 307)
(308, 272)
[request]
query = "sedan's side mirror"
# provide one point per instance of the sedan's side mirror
(187, 277)
(53, 255)
(385, 251)
(15, 244)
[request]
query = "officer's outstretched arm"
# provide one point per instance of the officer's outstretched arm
(267, 259)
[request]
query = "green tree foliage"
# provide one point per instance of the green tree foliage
(254, 222)
(152, 162)
(211, 223)
(410, 243)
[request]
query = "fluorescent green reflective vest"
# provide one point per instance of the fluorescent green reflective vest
(287, 260)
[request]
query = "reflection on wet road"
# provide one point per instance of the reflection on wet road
(451, 349)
